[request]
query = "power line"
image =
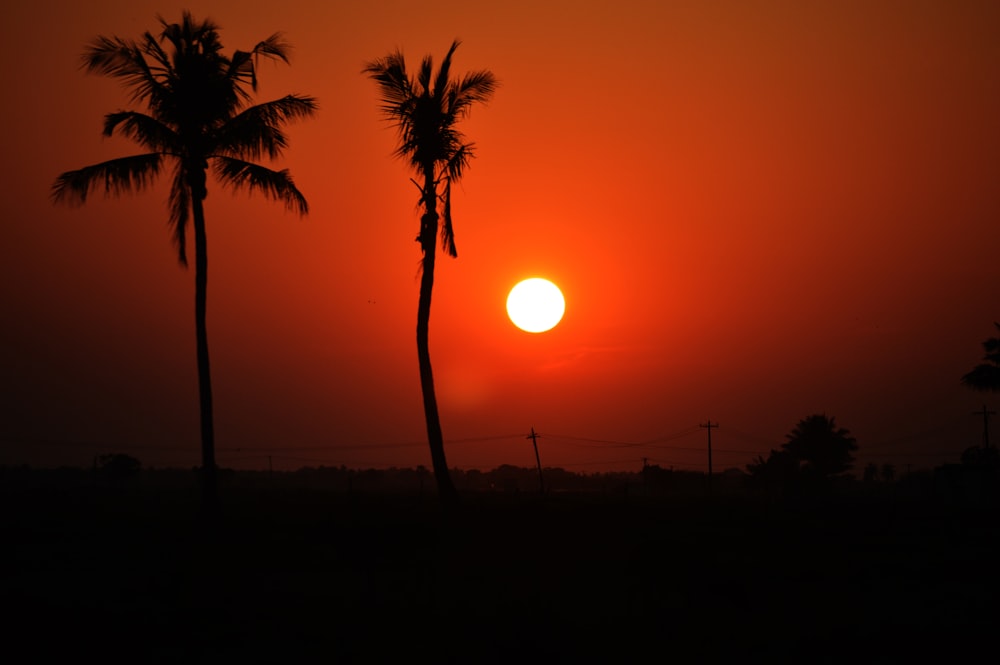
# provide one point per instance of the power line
(476, 439)
(342, 451)
(616, 444)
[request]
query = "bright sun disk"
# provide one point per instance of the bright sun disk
(535, 305)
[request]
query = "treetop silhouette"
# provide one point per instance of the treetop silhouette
(820, 446)
(813, 452)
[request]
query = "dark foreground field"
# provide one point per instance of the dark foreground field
(118, 574)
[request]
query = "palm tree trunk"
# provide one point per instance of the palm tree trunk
(210, 489)
(435, 438)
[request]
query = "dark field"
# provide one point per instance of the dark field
(130, 574)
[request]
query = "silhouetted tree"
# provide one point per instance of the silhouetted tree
(986, 376)
(426, 111)
(821, 448)
(871, 472)
(199, 114)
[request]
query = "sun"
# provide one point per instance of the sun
(535, 305)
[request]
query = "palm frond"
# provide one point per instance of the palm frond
(122, 59)
(474, 88)
(243, 65)
(460, 158)
(256, 130)
(160, 73)
(424, 76)
(144, 129)
(275, 47)
(395, 86)
(150, 47)
(249, 140)
(116, 177)
(277, 185)
(984, 378)
(441, 82)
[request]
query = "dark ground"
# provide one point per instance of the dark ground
(104, 574)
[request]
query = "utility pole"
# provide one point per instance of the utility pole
(709, 425)
(534, 441)
(986, 424)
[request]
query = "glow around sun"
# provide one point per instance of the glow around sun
(535, 305)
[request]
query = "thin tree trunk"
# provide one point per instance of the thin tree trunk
(435, 438)
(209, 473)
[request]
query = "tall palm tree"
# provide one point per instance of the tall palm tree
(426, 111)
(986, 376)
(198, 114)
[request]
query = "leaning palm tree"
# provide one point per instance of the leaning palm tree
(426, 111)
(198, 114)
(985, 376)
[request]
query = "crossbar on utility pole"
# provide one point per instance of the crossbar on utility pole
(534, 441)
(709, 425)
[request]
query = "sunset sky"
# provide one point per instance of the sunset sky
(757, 211)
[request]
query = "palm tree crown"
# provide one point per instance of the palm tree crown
(198, 114)
(426, 115)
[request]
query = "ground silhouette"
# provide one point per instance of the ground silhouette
(885, 573)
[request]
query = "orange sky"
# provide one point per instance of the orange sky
(756, 211)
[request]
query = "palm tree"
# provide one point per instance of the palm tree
(986, 376)
(198, 114)
(426, 111)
